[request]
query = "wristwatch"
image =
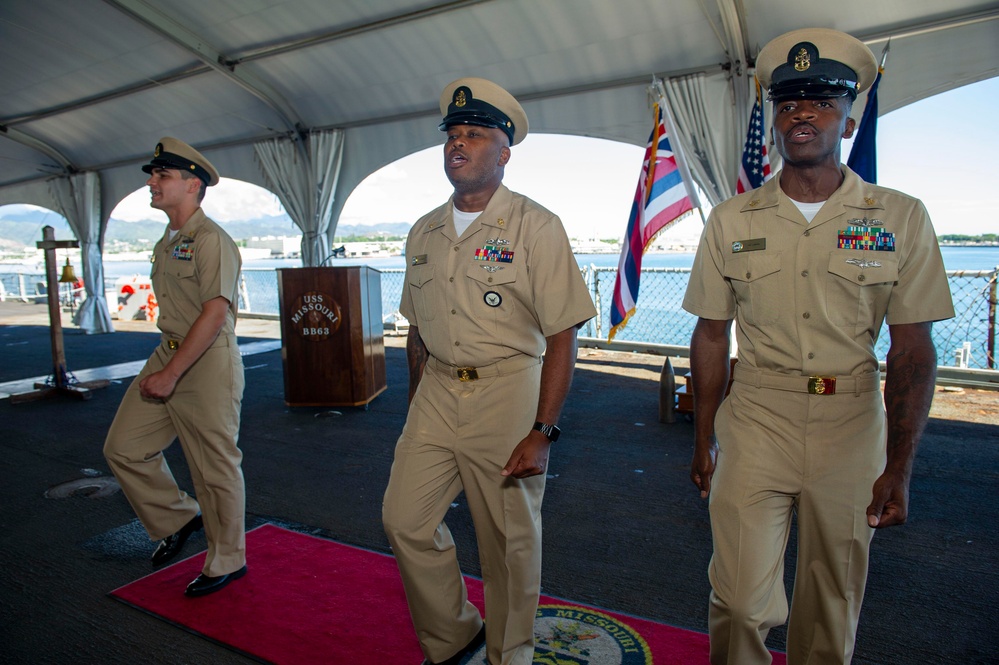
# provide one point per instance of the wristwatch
(551, 431)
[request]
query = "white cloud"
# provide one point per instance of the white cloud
(399, 192)
(230, 200)
(135, 208)
(233, 200)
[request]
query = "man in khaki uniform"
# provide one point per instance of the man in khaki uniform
(192, 385)
(491, 285)
(809, 265)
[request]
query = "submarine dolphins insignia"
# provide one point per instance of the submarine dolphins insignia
(864, 263)
(866, 223)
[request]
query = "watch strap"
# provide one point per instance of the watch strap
(550, 431)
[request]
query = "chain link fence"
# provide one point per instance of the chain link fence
(967, 340)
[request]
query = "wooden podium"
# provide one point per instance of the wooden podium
(332, 344)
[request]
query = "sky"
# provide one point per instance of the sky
(941, 150)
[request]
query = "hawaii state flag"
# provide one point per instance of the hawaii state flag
(754, 169)
(661, 200)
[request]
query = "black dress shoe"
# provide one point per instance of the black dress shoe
(170, 546)
(469, 649)
(204, 585)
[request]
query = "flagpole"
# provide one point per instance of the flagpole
(884, 55)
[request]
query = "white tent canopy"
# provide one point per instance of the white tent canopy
(91, 85)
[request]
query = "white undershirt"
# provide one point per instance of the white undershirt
(173, 234)
(462, 220)
(809, 210)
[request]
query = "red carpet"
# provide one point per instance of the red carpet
(311, 600)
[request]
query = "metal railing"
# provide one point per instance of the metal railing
(30, 287)
(968, 340)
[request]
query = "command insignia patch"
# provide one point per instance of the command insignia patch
(573, 635)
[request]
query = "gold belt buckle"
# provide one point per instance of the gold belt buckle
(466, 373)
(173, 344)
(822, 385)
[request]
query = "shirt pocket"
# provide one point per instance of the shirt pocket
(421, 288)
(492, 295)
(859, 287)
(179, 269)
(757, 283)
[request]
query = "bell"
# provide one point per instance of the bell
(67, 273)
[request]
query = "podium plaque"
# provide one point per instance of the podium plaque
(332, 345)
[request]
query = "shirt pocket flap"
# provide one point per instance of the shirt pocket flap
(862, 269)
(420, 275)
(179, 268)
(750, 267)
(504, 274)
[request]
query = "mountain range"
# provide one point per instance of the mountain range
(21, 226)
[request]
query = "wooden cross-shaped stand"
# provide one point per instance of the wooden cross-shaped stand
(60, 382)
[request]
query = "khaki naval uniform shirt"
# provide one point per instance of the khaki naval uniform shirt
(803, 305)
(510, 281)
(201, 263)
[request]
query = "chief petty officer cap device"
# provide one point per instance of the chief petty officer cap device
(475, 101)
(815, 63)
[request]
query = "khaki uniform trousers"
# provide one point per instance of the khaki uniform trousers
(203, 412)
(458, 436)
(780, 452)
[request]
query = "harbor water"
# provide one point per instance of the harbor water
(659, 319)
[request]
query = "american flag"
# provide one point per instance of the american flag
(661, 200)
(754, 169)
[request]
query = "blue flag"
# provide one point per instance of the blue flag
(864, 154)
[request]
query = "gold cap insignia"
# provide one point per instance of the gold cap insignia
(459, 98)
(802, 61)
(158, 150)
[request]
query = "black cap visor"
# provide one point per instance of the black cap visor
(167, 160)
(812, 88)
(479, 117)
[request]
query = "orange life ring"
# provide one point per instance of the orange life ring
(151, 307)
